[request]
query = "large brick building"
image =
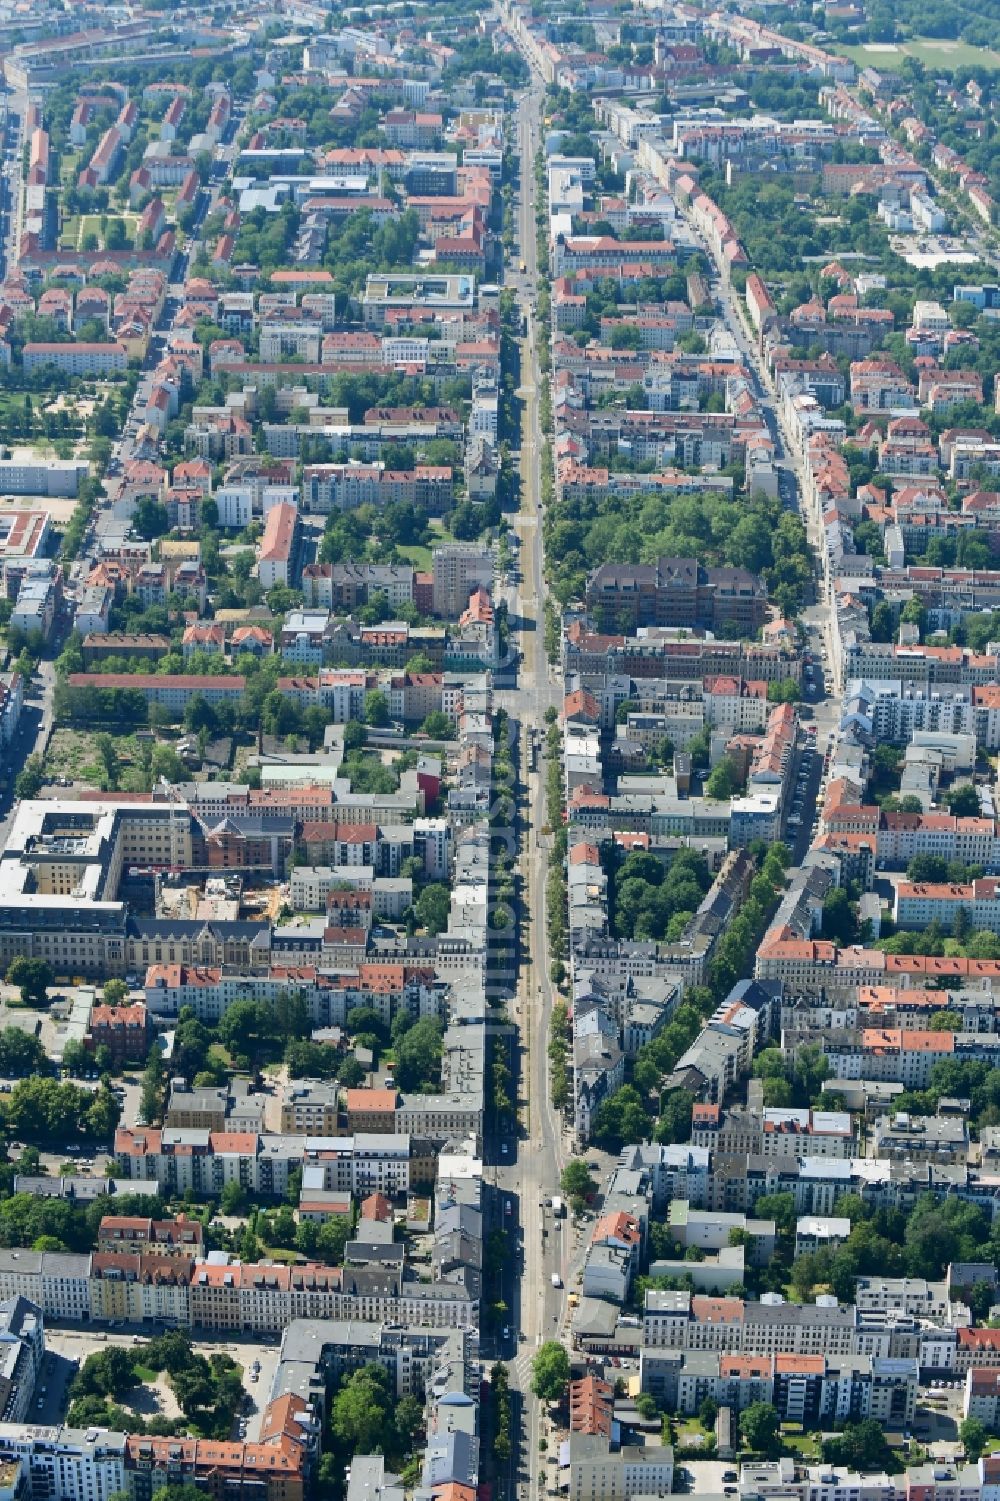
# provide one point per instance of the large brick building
(675, 592)
(123, 1029)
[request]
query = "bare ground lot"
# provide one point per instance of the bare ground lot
(69, 1347)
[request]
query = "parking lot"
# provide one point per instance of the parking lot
(703, 1477)
(939, 1412)
(68, 1348)
(131, 1094)
(259, 1391)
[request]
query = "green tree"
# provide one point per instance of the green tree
(839, 921)
(708, 1412)
(199, 715)
(433, 907)
(333, 1237)
(106, 1373)
(980, 1300)
(779, 1207)
(247, 1028)
(647, 1406)
(810, 1069)
(30, 779)
(377, 709)
(861, 1446)
(674, 1125)
(107, 753)
(963, 801)
(194, 1389)
(115, 992)
(149, 519)
(975, 1436)
(365, 1019)
(34, 976)
(408, 1420)
(438, 726)
(759, 1424)
(102, 1115)
(915, 613)
(311, 1060)
(361, 1411)
(550, 1371)
(418, 1054)
(575, 1181)
(233, 1198)
(939, 1232)
(153, 1082)
(723, 780)
(622, 1118)
(77, 1061)
(22, 1054)
(927, 868)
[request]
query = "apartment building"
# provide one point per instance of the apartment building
(74, 1464)
(772, 1132)
(810, 1390)
(336, 487)
(312, 1109)
(345, 587)
(171, 692)
(918, 904)
(458, 571)
(140, 1286)
(878, 384)
(124, 1030)
(272, 1470)
(674, 592)
(54, 1280)
(603, 1470)
(179, 1236)
(895, 712)
(688, 1321)
(982, 1395)
(77, 359)
(203, 1160)
(277, 558)
(434, 294)
(22, 1357)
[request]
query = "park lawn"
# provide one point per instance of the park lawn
(691, 1435)
(934, 52)
(91, 225)
(939, 53)
(131, 223)
(217, 1053)
(69, 167)
(418, 556)
(145, 1375)
(804, 1446)
(12, 411)
(69, 234)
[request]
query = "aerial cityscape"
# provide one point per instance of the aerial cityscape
(499, 751)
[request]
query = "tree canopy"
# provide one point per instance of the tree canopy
(550, 1371)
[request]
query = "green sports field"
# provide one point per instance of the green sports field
(931, 51)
